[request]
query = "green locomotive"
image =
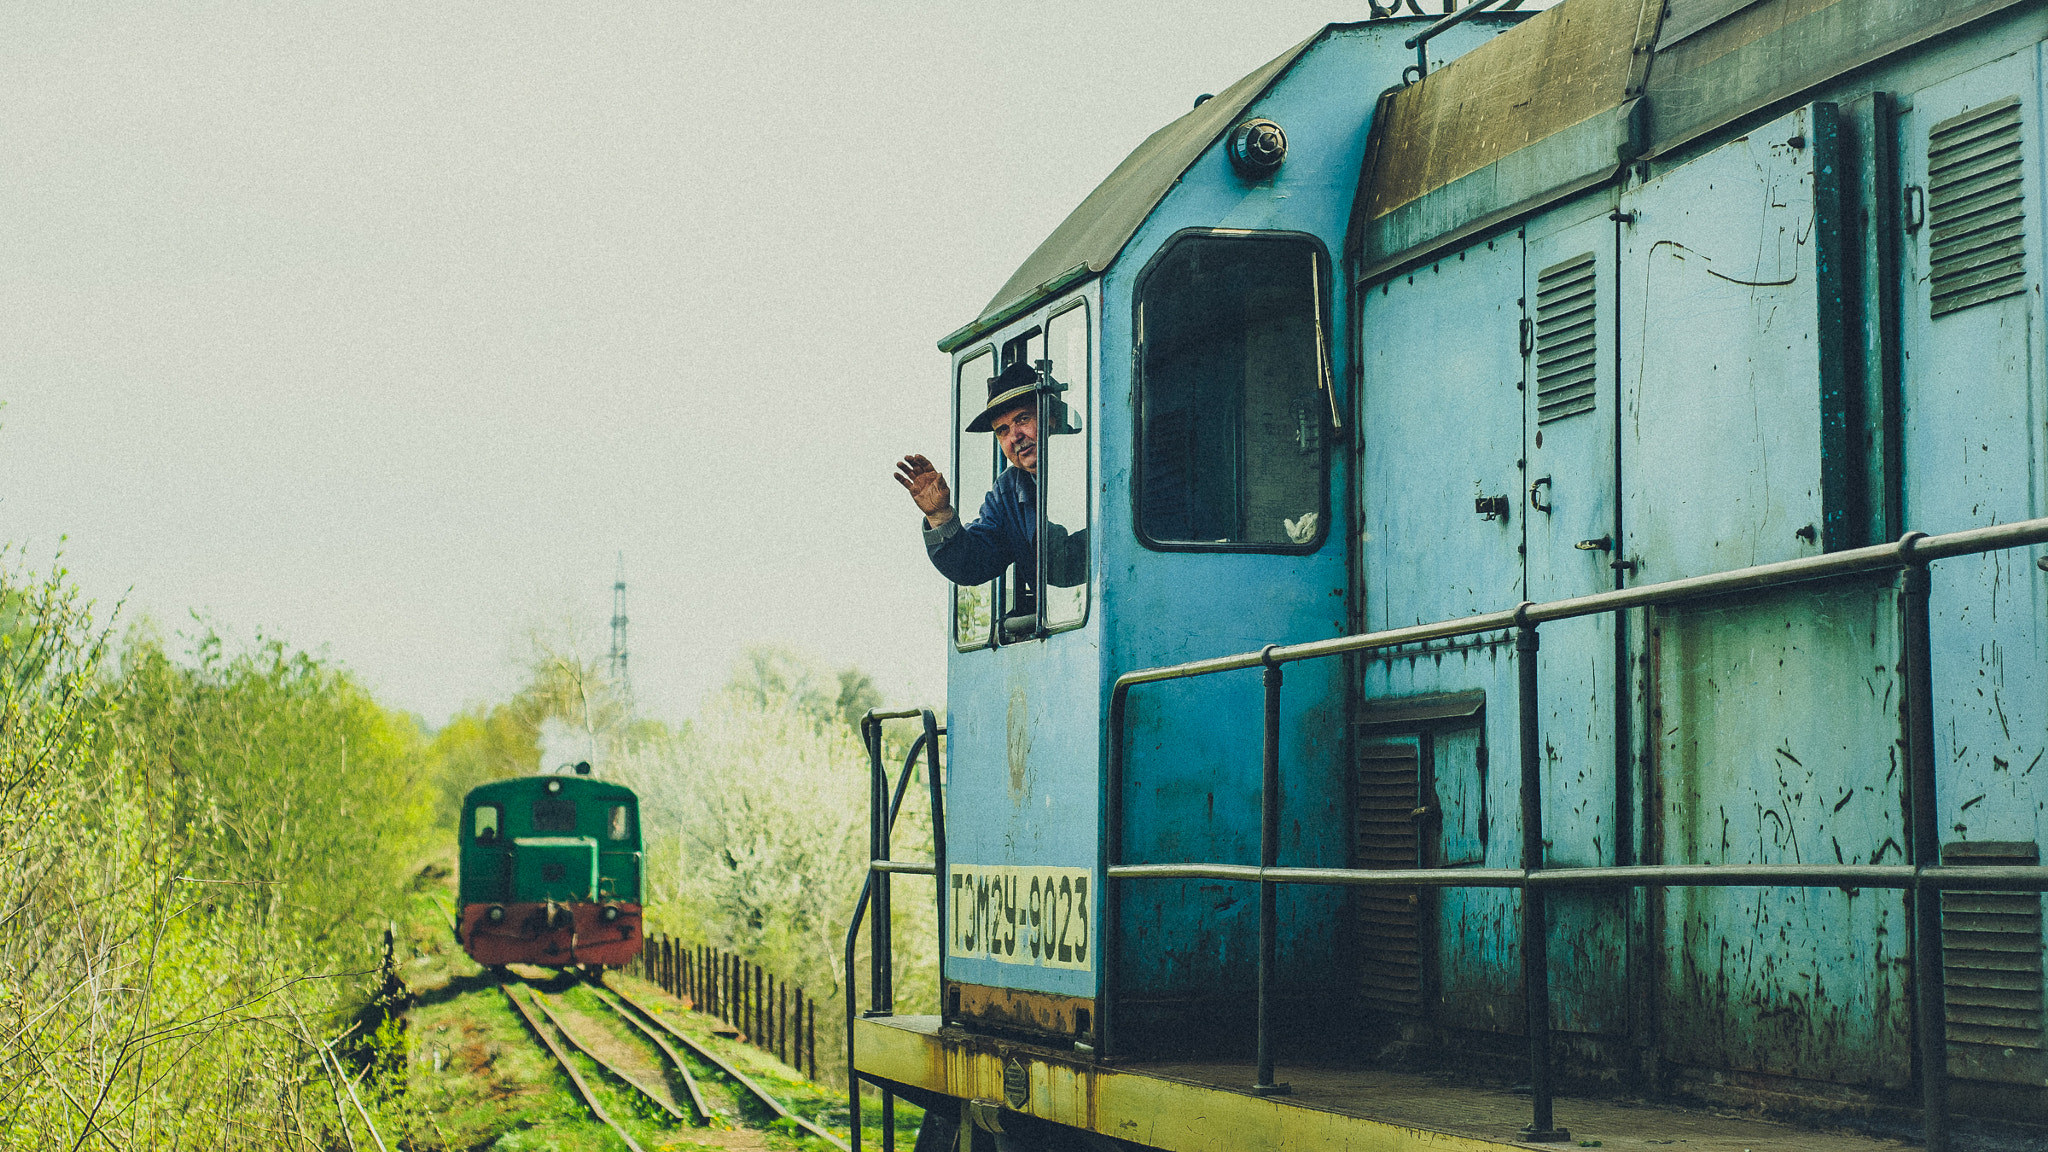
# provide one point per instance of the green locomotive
(551, 872)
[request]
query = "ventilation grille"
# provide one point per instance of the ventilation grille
(1384, 837)
(1991, 964)
(1977, 248)
(1565, 355)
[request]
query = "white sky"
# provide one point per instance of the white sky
(384, 327)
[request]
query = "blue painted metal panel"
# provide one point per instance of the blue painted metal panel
(1974, 454)
(1427, 554)
(1572, 457)
(1192, 789)
(1721, 429)
(1023, 747)
(1778, 742)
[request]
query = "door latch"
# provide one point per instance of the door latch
(1603, 544)
(1491, 507)
(1539, 494)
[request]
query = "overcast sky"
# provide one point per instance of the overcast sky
(385, 328)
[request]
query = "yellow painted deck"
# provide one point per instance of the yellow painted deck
(1207, 1107)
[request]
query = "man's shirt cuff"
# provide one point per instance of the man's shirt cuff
(933, 537)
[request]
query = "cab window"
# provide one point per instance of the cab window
(1063, 463)
(1233, 394)
(620, 825)
(552, 814)
(486, 822)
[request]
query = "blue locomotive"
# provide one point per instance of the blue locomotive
(551, 872)
(1503, 656)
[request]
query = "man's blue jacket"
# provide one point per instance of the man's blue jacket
(1001, 535)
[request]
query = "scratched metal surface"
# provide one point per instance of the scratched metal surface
(1974, 436)
(1721, 423)
(1777, 741)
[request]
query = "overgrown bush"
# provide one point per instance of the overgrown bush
(194, 858)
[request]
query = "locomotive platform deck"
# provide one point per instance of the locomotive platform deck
(1209, 1107)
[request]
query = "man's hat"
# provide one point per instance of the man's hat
(1016, 382)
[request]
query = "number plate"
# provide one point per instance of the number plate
(1035, 916)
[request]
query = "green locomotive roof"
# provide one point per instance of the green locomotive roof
(573, 787)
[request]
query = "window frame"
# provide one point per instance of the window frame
(1325, 304)
(497, 824)
(1040, 320)
(575, 815)
(1077, 303)
(996, 586)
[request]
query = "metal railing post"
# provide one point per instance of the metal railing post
(882, 991)
(1930, 996)
(1535, 926)
(1269, 856)
(1108, 952)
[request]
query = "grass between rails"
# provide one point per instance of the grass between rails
(477, 1079)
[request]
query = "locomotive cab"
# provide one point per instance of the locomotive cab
(551, 871)
(1188, 320)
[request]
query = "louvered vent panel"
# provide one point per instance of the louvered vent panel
(1977, 247)
(1384, 837)
(1991, 964)
(1566, 360)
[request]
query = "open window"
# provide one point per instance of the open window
(1061, 348)
(1234, 397)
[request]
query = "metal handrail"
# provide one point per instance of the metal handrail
(1420, 41)
(883, 809)
(1926, 876)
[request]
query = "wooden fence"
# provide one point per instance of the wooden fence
(768, 1012)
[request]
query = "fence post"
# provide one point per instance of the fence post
(760, 1006)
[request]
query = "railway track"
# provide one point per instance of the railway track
(675, 1094)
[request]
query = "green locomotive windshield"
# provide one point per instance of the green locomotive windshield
(551, 814)
(488, 818)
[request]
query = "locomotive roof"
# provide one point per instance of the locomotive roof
(1094, 232)
(577, 786)
(1572, 98)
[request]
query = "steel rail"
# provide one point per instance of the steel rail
(726, 1068)
(674, 1058)
(616, 1072)
(575, 1078)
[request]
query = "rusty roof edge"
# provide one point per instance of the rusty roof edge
(1615, 132)
(1658, 147)
(974, 329)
